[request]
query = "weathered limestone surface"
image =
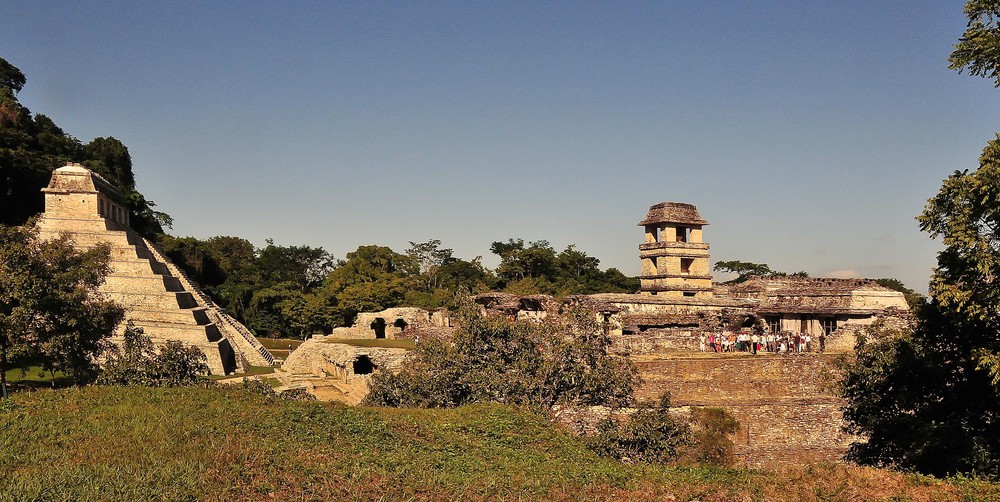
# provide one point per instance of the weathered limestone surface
(674, 257)
(786, 405)
(158, 298)
(333, 370)
(394, 323)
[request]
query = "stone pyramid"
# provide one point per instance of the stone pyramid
(158, 297)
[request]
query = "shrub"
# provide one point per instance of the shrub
(297, 394)
(257, 386)
(650, 434)
(711, 428)
(138, 363)
(562, 360)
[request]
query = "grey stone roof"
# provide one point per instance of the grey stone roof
(673, 212)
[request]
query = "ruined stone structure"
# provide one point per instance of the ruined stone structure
(333, 369)
(395, 323)
(674, 257)
(157, 296)
(787, 405)
(835, 308)
(785, 402)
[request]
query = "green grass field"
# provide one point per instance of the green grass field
(36, 377)
(376, 342)
(102, 443)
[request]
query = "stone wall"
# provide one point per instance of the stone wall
(785, 404)
(658, 340)
(394, 323)
(330, 369)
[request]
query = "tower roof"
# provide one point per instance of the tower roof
(673, 212)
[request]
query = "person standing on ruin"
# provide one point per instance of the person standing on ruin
(754, 340)
(809, 342)
(701, 342)
(822, 342)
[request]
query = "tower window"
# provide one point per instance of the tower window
(682, 234)
(686, 265)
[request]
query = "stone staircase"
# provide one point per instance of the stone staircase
(156, 301)
(247, 344)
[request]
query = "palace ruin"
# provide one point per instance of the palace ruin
(785, 403)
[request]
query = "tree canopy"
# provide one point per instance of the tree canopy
(745, 269)
(32, 146)
(978, 50)
(927, 397)
(50, 313)
(11, 77)
(536, 267)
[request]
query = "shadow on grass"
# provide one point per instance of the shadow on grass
(34, 377)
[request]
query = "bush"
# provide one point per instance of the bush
(491, 359)
(297, 394)
(257, 386)
(138, 363)
(710, 444)
(650, 434)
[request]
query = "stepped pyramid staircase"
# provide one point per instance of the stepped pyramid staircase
(158, 297)
(238, 334)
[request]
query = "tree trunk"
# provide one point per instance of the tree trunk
(3, 372)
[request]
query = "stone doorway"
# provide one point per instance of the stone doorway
(363, 365)
(378, 326)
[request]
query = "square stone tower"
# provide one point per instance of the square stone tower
(674, 257)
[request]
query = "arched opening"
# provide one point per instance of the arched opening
(401, 324)
(378, 326)
(363, 365)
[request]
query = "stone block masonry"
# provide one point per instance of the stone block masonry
(158, 298)
(786, 404)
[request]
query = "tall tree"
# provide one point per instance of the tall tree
(49, 309)
(10, 77)
(928, 398)
(109, 157)
(303, 265)
(372, 278)
(743, 269)
(430, 257)
(31, 147)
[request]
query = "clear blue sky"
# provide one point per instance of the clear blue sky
(808, 133)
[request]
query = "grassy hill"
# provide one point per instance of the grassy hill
(227, 444)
